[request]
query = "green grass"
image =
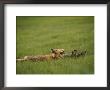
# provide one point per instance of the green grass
(37, 35)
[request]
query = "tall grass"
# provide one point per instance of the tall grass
(37, 35)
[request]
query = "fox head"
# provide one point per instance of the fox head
(58, 51)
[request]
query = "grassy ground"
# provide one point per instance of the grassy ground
(37, 35)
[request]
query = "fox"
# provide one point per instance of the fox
(55, 54)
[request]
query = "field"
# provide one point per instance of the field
(37, 35)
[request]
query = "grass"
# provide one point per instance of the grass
(37, 35)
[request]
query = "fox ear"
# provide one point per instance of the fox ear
(52, 49)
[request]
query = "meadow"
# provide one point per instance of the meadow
(36, 35)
